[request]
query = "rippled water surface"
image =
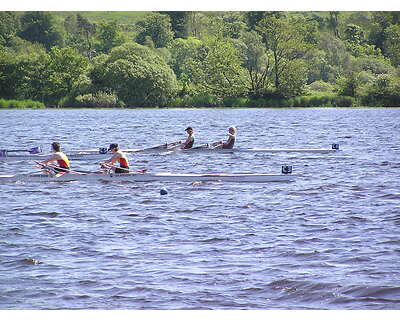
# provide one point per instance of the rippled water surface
(329, 240)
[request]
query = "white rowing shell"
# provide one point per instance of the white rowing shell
(93, 155)
(143, 177)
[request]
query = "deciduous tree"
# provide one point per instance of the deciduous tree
(158, 27)
(108, 37)
(220, 69)
(65, 68)
(286, 39)
(9, 26)
(39, 27)
(138, 75)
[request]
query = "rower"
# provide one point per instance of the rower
(190, 139)
(118, 156)
(230, 142)
(58, 157)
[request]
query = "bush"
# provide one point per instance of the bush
(384, 91)
(235, 102)
(343, 101)
(198, 100)
(98, 100)
(320, 86)
(20, 104)
(326, 100)
(269, 103)
(321, 100)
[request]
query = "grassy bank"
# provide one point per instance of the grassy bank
(322, 100)
(204, 101)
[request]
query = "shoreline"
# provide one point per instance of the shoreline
(201, 107)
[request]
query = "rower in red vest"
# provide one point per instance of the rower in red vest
(118, 156)
(58, 158)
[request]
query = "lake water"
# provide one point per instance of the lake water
(329, 240)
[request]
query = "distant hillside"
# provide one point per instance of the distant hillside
(122, 17)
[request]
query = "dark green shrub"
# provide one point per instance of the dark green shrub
(98, 100)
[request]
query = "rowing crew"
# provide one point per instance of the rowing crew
(61, 161)
(189, 142)
(58, 157)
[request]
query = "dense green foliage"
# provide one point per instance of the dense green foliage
(244, 59)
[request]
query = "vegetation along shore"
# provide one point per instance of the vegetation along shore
(201, 59)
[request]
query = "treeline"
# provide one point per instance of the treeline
(183, 58)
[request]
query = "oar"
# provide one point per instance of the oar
(55, 168)
(45, 166)
(216, 144)
(32, 150)
(164, 146)
(203, 146)
(110, 166)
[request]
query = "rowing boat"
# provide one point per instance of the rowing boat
(208, 147)
(97, 155)
(42, 157)
(261, 150)
(144, 177)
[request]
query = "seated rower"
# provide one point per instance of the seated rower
(230, 142)
(59, 159)
(188, 143)
(118, 156)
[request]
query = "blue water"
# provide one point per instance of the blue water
(329, 240)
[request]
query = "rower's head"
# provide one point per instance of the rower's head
(56, 147)
(113, 147)
(232, 130)
(189, 130)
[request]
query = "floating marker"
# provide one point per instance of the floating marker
(163, 191)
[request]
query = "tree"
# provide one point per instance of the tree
(254, 17)
(65, 69)
(384, 91)
(392, 43)
(293, 80)
(347, 86)
(109, 36)
(185, 55)
(219, 71)
(381, 20)
(179, 23)
(229, 24)
(138, 75)
(86, 30)
(8, 79)
(354, 34)
(197, 24)
(9, 26)
(285, 38)
(333, 23)
(319, 67)
(156, 26)
(80, 34)
(23, 73)
(356, 43)
(257, 62)
(336, 54)
(39, 27)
